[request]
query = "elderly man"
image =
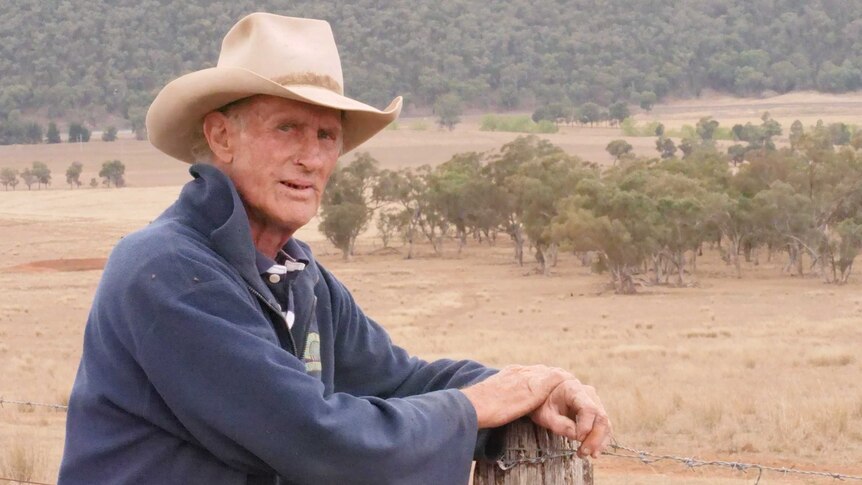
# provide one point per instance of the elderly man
(219, 351)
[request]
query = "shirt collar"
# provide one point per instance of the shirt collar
(289, 263)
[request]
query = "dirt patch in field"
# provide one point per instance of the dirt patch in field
(53, 265)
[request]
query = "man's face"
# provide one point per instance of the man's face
(283, 154)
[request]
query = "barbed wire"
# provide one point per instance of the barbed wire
(534, 456)
(32, 404)
(28, 482)
(648, 458)
(539, 456)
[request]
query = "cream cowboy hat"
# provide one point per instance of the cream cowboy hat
(264, 54)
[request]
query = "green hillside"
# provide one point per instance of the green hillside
(83, 59)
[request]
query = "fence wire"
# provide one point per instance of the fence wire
(648, 458)
(27, 482)
(539, 456)
(33, 404)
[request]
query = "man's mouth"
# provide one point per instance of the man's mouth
(297, 185)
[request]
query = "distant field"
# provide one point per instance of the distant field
(763, 369)
(407, 147)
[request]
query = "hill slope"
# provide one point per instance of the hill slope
(83, 59)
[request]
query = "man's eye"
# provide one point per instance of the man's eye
(325, 135)
(286, 127)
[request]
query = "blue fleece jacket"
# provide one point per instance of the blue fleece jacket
(188, 375)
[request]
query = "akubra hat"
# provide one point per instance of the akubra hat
(264, 54)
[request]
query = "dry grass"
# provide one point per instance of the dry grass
(831, 358)
(21, 461)
(761, 369)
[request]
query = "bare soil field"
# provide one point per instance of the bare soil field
(763, 369)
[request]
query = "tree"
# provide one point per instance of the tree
(347, 205)
(665, 147)
(604, 216)
(33, 133)
(647, 100)
(618, 111)
(503, 170)
(137, 117)
(53, 134)
(73, 174)
(42, 174)
(706, 127)
(618, 149)
(110, 134)
(840, 133)
(407, 192)
(112, 172)
(448, 109)
(94, 183)
(9, 178)
(28, 178)
(797, 131)
(78, 133)
(737, 153)
(589, 113)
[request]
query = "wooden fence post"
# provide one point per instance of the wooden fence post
(536, 457)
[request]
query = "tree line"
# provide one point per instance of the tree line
(112, 173)
(15, 130)
(642, 221)
(92, 58)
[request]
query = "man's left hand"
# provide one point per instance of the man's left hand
(575, 411)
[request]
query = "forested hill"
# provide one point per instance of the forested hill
(79, 59)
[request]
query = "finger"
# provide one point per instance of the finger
(584, 421)
(555, 422)
(594, 443)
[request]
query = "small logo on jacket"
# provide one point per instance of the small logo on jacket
(311, 356)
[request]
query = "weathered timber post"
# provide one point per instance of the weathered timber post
(535, 456)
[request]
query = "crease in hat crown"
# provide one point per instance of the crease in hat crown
(244, 42)
(270, 54)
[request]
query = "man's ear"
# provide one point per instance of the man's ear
(217, 130)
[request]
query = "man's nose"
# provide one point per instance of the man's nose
(310, 154)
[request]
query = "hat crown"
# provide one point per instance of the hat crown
(286, 50)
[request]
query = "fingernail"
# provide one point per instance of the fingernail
(586, 451)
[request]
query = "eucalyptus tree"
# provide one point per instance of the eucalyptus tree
(348, 204)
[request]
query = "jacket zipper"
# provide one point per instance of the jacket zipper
(308, 327)
(279, 313)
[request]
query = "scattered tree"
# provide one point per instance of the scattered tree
(448, 109)
(73, 174)
(618, 149)
(618, 111)
(110, 134)
(42, 174)
(53, 134)
(647, 100)
(9, 178)
(112, 173)
(347, 204)
(665, 147)
(28, 178)
(78, 133)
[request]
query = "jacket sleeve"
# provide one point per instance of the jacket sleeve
(368, 363)
(206, 352)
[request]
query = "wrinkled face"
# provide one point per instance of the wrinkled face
(283, 152)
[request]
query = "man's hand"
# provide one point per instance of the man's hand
(552, 397)
(513, 392)
(575, 411)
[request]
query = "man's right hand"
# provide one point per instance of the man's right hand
(557, 400)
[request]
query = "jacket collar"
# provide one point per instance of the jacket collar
(211, 205)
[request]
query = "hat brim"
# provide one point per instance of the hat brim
(176, 113)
